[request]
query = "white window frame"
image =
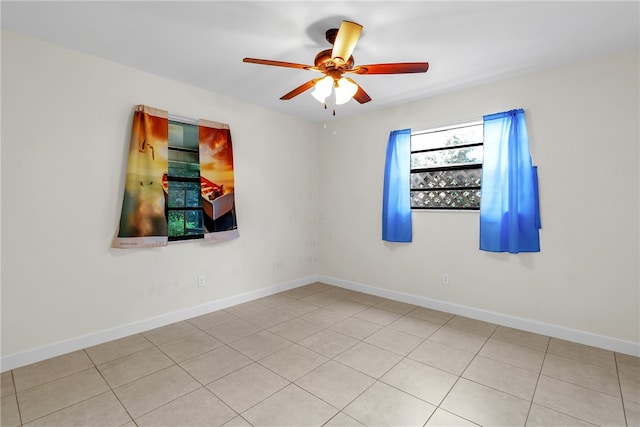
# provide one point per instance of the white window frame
(431, 188)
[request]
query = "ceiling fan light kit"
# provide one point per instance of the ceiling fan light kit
(344, 91)
(335, 62)
(323, 89)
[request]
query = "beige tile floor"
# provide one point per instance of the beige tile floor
(320, 355)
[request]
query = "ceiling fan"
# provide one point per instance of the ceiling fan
(335, 62)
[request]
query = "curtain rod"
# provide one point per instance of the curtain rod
(474, 120)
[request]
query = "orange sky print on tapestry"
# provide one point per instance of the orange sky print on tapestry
(143, 208)
(216, 157)
(217, 178)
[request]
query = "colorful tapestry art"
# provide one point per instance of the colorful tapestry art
(160, 203)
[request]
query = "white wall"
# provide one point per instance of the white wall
(66, 120)
(583, 128)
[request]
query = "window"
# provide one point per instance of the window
(446, 167)
(182, 183)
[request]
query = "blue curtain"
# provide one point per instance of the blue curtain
(509, 211)
(396, 205)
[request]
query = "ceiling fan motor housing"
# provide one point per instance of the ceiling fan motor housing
(325, 63)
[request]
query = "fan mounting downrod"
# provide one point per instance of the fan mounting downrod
(330, 35)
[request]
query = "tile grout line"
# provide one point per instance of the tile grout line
(94, 366)
(462, 373)
(329, 359)
(624, 409)
(238, 414)
(175, 363)
(60, 378)
(290, 382)
(255, 404)
(15, 391)
(375, 380)
(571, 383)
(438, 406)
(111, 388)
(535, 389)
(362, 340)
(405, 357)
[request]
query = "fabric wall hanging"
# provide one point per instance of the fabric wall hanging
(156, 196)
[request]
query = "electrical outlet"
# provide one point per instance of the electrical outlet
(202, 281)
(445, 278)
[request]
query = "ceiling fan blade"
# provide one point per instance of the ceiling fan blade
(346, 40)
(395, 68)
(279, 63)
(361, 96)
(297, 91)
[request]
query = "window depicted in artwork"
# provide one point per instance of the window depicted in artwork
(182, 183)
(446, 167)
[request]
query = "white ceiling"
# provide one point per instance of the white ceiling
(203, 43)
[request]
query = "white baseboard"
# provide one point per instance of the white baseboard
(38, 354)
(63, 347)
(574, 335)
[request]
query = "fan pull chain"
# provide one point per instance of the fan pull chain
(334, 112)
(325, 105)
